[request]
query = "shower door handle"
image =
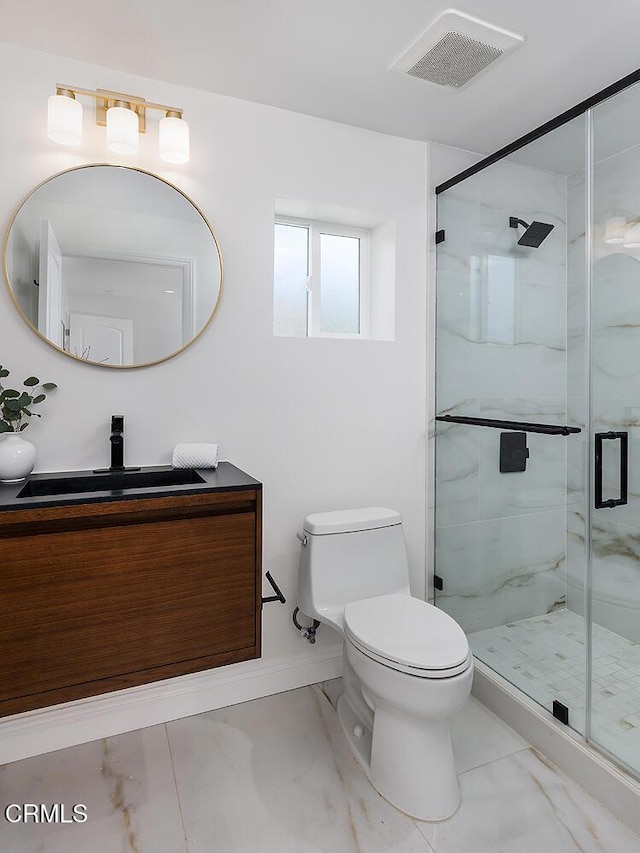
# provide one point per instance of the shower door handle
(624, 460)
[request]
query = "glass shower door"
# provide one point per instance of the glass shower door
(537, 531)
(615, 351)
(510, 378)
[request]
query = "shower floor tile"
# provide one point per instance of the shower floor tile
(544, 656)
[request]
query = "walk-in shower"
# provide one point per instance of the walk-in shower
(537, 450)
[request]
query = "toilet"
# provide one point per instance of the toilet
(407, 665)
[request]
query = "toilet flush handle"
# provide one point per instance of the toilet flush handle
(302, 538)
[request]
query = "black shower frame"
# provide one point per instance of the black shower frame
(543, 129)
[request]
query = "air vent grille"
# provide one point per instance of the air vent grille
(454, 59)
(455, 50)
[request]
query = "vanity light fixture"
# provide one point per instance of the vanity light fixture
(632, 236)
(614, 229)
(64, 124)
(124, 117)
(122, 129)
(173, 138)
(620, 231)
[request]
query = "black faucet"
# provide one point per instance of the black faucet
(117, 448)
(117, 443)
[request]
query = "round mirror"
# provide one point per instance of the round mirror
(113, 265)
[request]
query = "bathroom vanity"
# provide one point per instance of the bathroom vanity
(111, 584)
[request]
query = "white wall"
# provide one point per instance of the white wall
(322, 423)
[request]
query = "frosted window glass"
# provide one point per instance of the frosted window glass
(290, 280)
(340, 288)
(500, 318)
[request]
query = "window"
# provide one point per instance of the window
(493, 299)
(320, 281)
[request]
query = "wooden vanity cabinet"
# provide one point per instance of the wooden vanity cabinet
(96, 597)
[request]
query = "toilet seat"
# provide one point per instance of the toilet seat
(408, 635)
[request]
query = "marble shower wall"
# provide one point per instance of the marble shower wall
(615, 393)
(501, 353)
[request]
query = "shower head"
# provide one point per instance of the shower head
(535, 233)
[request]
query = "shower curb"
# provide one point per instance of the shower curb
(612, 787)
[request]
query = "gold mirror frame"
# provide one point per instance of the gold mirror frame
(43, 337)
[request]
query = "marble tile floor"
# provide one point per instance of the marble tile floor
(276, 776)
(544, 656)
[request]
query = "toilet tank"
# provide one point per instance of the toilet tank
(350, 555)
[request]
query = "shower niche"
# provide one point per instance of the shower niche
(538, 327)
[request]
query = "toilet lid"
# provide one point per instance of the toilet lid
(407, 631)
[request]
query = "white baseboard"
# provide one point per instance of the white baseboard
(608, 784)
(57, 727)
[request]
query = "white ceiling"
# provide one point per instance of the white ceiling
(331, 58)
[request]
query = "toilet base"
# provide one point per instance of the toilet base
(360, 744)
(425, 787)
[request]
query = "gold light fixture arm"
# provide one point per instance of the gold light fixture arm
(105, 99)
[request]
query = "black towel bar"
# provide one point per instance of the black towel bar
(521, 426)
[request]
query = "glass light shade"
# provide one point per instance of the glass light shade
(122, 131)
(64, 120)
(173, 140)
(632, 236)
(614, 230)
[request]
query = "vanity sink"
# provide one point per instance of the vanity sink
(115, 579)
(109, 481)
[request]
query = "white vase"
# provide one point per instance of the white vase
(17, 457)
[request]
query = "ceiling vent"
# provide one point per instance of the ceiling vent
(455, 50)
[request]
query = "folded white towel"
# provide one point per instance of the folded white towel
(195, 456)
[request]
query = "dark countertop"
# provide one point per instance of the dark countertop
(226, 477)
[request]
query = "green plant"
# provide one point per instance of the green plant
(15, 406)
